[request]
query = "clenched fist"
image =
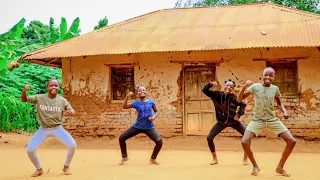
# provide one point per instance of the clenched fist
(214, 83)
(27, 87)
(130, 94)
(248, 83)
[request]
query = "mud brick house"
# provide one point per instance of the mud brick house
(175, 52)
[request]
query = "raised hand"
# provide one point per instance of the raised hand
(248, 83)
(27, 87)
(130, 94)
(214, 83)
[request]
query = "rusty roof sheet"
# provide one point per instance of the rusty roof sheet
(195, 29)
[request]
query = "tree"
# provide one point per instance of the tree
(62, 33)
(36, 35)
(305, 5)
(36, 32)
(101, 23)
(9, 42)
(19, 40)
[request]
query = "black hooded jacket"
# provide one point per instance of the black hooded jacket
(225, 105)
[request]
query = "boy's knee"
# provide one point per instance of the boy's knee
(73, 145)
(30, 149)
(292, 141)
(245, 141)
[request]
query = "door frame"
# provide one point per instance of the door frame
(184, 68)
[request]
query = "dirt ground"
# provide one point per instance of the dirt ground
(183, 157)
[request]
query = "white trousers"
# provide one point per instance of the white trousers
(41, 135)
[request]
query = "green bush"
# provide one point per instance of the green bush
(16, 115)
(28, 73)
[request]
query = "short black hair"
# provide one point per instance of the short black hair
(230, 80)
(51, 80)
(269, 68)
(140, 87)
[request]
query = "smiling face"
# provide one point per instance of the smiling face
(53, 87)
(142, 92)
(228, 87)
(268, 76)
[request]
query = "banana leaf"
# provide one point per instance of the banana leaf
(15, 32)
(63, 27)
(74, 28)
(54, 34)
(30, 47)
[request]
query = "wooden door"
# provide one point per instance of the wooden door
(199, 109)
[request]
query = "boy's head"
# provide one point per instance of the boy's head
(53, 86)
(142, 92)
(268, 75)
(228, 86)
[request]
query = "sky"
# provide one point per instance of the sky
(89, 11)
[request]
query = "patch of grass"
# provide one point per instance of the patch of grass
(16, 115)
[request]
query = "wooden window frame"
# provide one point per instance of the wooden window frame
(282, 80)
(119, 69)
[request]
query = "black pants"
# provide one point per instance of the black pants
(218, 127)
(132, 131)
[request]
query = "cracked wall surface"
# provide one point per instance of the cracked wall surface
(86, 84)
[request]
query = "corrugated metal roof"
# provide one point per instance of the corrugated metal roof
(195, 29)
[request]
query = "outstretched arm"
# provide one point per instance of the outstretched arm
(125, 104)
(24, 93)
(243, 93)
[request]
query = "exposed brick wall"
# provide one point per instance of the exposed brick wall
(96, 118)
(302, 122)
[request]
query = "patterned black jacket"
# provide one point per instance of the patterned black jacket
(225, 105)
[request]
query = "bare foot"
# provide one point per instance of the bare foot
(123, 160)
(66, 170)
(154, 161)
(282, 172)
(245, 161)
(38, 172)
(255, 171)
(214, 161)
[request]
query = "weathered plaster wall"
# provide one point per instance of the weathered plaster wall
(160, 77)
(304, 113)
(306, 110)
(86, 83)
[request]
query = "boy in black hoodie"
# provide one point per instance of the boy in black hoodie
(226, 104)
